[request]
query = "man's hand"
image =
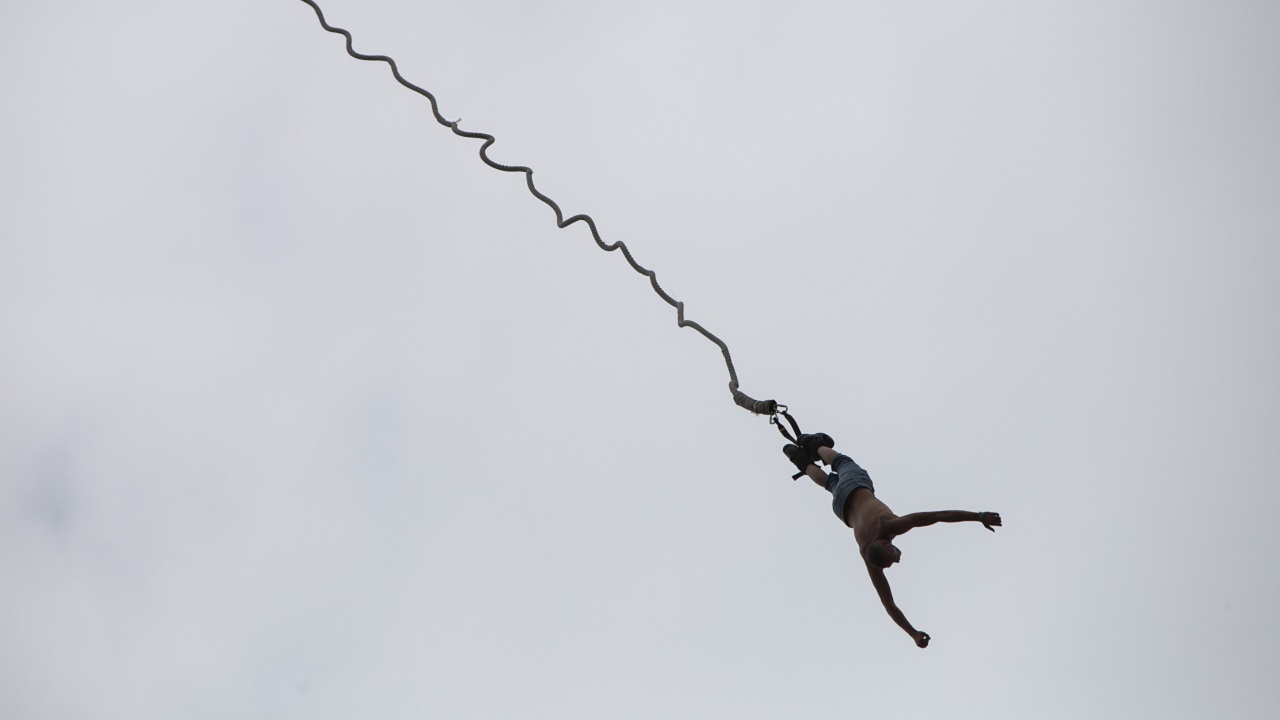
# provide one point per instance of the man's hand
(988, 520)
(921, 638)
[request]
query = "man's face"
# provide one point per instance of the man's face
(895, 555)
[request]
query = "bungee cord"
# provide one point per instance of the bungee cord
(760, 407)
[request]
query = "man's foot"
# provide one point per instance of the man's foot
(810, 442)
(798, 455)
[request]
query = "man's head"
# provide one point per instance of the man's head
(882, 554)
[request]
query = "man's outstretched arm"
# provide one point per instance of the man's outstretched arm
(900, 525)
(881, 584)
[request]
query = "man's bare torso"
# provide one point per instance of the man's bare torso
(867, 516)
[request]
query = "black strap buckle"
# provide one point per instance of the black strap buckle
(782, 410)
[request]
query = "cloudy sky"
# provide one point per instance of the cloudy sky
(307, 413)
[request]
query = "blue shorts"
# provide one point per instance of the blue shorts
(848, 477)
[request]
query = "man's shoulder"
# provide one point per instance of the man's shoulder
(877, 519)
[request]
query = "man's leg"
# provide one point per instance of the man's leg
(817, 475)
(827, 454)
(806, 454)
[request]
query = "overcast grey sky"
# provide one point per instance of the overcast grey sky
(306, 413)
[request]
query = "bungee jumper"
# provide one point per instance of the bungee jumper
(874, 524)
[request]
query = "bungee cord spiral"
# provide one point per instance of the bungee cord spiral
(760, 407)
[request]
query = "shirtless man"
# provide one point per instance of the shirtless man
(874, 524)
